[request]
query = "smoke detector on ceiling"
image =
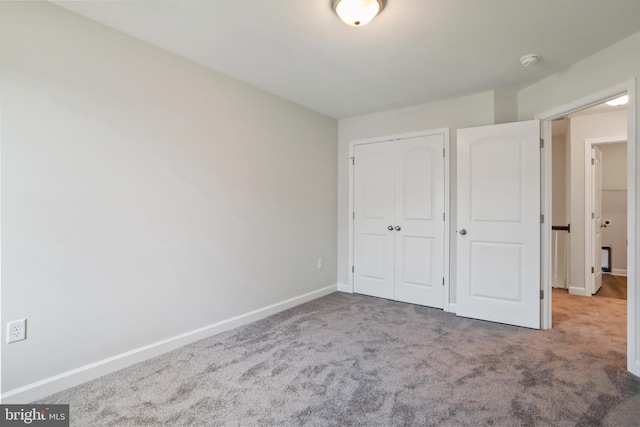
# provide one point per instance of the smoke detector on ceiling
(530, 59)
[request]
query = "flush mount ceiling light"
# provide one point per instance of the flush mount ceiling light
(530, 59)
(357, 12)
(622, 100)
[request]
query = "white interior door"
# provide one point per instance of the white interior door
(419, 238)
(596, 218)
(398, 220)
(374, 220)
(499, 223)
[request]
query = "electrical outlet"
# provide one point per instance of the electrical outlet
(17, 330)
(320, 264)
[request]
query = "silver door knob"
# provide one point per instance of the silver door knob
(390, 228)
(398, 228)
(463, 231)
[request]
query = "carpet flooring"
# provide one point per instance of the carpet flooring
(355, 360)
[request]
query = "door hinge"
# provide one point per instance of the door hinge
(593, 215)
(541, 294)
(353, 160)
(593, 161)
(443, 281)
(593, 270)
(353, 216)
(541, 218)
(443, 216)
(541, 143)
(443, 153)
(353, 269)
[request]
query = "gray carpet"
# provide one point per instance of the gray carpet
(355, 360)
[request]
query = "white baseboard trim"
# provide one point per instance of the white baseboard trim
(344, 288)
(634, 368)
(452, 308)
(56, 383)
(578, 291)
(618, 272)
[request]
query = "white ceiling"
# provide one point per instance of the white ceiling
(415, 51)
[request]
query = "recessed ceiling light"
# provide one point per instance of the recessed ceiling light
(529, 59)
(622, 100)
(357, 12)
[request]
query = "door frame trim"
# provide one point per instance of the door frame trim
(588, 193)
(628, 87)
(445, 132)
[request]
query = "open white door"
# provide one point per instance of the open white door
(499, 223)
(596, 219)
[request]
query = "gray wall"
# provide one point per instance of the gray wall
(614, 203)
(145, 196)
(584, 128)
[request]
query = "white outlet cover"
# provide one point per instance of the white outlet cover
(16, 330)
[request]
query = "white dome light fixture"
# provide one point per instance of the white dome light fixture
(530, 59)
(357, 12)
(622, 100)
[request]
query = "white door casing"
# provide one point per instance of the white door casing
(498, 224)
(596, 218)
(398, 202)
(593, 211)
(633, 295)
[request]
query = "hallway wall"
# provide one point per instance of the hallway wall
(583, 128)
(614, 203)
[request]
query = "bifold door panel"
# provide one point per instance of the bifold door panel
(398, 220)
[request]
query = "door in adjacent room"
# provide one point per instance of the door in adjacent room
(596, 219)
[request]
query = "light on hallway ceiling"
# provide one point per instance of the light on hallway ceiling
(357, 12)
(622, 100)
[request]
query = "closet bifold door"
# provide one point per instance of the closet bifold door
(419, 203)
(398, 220)
(374, 211)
